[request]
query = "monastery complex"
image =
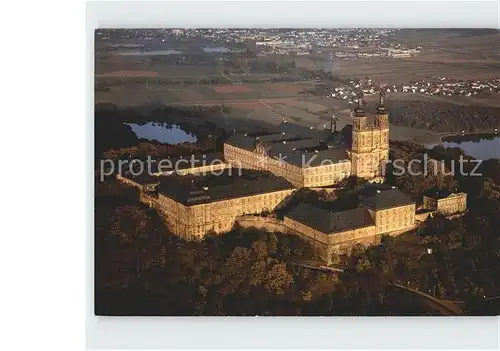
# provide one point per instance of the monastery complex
(260, 172)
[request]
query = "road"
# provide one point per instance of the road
(222, 74)
(447, 308)
(319, 267)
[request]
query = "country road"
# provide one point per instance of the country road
(447, 308)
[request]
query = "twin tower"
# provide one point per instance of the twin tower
(370, 141)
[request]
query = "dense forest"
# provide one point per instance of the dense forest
(443, 116)
(141, 269)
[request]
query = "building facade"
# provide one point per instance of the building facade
(192, 222)
(386, 212)
(326, 167)
(195, 204)
(314, 160)
(445, 203)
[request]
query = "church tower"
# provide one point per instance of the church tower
(382, 131)
(360, 121)
(361, 140)
(382, 117)
(370, 141)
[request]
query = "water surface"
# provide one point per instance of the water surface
(164, 133)
(481, 149)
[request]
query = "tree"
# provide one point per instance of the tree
(306, 295)
(257, 273)
(272, 243)
(259, 249)
(129, 223)
(363, 265)
(278, 279)
(236, 262)
(387, 240)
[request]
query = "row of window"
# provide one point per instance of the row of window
(327, 169)
(452, 209)
(326, 177)
(390, 228)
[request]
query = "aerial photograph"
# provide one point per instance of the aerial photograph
(296, 172)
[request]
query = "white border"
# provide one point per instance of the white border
(268, 332)
(309, 14)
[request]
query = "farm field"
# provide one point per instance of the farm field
(292, 110)
(284, 88)
(463, 44)
(185, 94)
(127, 74)
(401, 71)
(231, 88)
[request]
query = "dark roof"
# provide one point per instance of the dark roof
(167, 165)
(242, 141)
(383, 199)
(284, 131)
(336, 138)
(198, 189)
(439, 194)
(278, 137)
(192, 161)
(297, 146)
(330, 222)
(370, 189)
